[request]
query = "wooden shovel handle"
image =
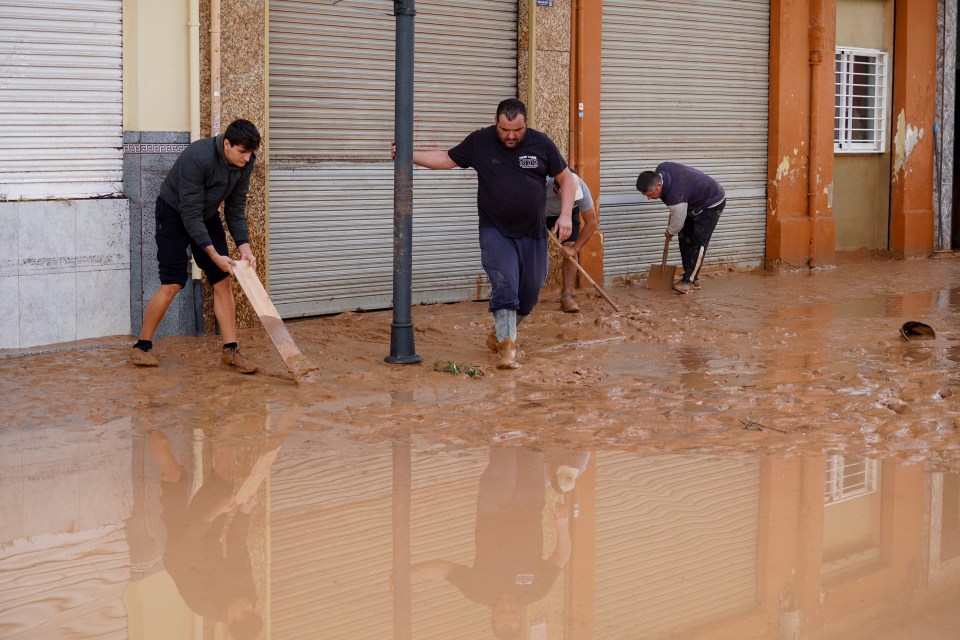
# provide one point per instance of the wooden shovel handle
(666, 249)
(582, 271)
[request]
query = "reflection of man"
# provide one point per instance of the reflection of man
(509, 570)
(215, 579)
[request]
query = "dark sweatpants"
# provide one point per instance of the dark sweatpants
(695, 234)
(516, 267)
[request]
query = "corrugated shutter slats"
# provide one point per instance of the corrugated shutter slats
(61, 100)
(676, 543)
(331, 123)
(688, 84)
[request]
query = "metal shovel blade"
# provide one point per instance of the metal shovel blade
(661, 276)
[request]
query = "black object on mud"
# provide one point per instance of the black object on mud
(913, 330)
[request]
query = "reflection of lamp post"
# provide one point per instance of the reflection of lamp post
(402, 349)
(402, 591)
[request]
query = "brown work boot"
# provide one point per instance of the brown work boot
(492, 341)
(683, 287)
(141, 358)
(568, 304)
(507, 353)
(234, 359)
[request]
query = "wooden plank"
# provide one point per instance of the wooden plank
(298, 365)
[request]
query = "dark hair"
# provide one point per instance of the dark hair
(647, 180)
(511, 107)
(244, 133)
(247, 627)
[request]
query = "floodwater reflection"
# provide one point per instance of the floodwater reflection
(259, 529)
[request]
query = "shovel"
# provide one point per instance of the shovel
(661, 276)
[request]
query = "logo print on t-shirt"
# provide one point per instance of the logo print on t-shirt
(523, 578)
(529, 162)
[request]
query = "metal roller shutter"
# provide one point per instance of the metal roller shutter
(687, 84)
(61, 99)
(331, 543)
(331, 113)
(676, 542)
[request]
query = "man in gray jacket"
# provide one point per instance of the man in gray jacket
(208, 172)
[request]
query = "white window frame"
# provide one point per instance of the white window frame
(860, 113)
(849, 478)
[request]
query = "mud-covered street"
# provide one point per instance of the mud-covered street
(755, 362)
(765, 457)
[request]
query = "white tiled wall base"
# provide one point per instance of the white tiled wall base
(64, 271)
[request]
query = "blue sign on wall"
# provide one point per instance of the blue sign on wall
(544, 3)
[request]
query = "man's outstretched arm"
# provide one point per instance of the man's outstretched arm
(433, 159)
(430, 159)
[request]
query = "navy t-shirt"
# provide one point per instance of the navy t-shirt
(508, 558)
(511, 195)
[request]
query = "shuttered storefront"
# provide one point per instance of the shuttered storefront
(61, 99)
(332, 531)
(688, 83)
(331, 120)
(676, 543)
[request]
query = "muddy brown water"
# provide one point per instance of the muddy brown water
(764, 458)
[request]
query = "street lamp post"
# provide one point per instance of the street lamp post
(402, 350)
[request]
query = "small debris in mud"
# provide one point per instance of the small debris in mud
(592, 373)
(895, 404)
(463, 368)
(751, 425)
(913, 330)
(613, 325)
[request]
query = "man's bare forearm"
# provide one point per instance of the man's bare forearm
(433, 159)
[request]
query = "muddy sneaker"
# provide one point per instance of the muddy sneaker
(568, 304)
(683, 287)
(696, 285)
(507, 354)
(492, 341)
(141, 358)
(236, 360)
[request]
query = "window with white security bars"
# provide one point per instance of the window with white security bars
(849, 478)
(861, 100)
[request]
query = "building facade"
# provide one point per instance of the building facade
(829, 122)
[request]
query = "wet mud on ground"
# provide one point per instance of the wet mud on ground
(757, 362)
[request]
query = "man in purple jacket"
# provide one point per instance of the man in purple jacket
(695, 201)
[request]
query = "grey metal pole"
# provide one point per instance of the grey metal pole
(402, 350)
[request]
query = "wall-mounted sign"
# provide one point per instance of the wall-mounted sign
(544, 3)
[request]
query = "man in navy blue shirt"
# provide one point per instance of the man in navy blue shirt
(512, 163)
(695, 201)
(509, 571)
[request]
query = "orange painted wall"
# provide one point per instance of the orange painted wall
(800, 233)
(588, 24)
(914, 100)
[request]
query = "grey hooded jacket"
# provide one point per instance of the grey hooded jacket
(199, 181)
